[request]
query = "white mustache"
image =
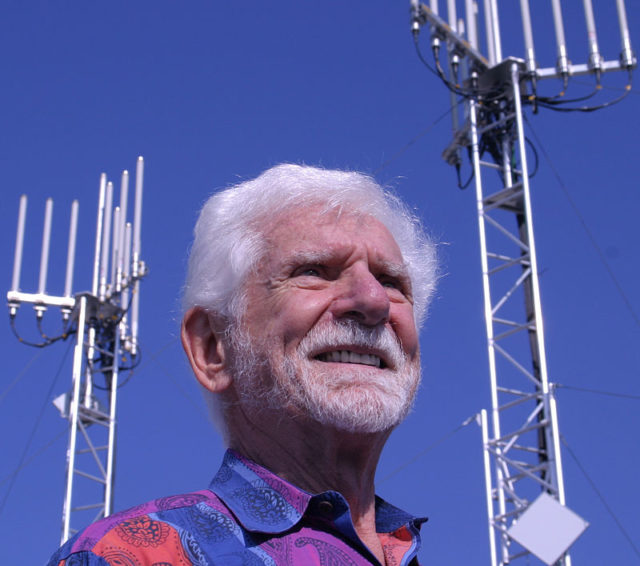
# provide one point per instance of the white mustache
(348, 334)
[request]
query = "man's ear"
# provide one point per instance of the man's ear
(202, 342)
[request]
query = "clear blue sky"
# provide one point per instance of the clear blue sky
(214, 92)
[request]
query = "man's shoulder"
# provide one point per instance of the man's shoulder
(144, 531)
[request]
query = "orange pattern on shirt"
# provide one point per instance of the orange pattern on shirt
(141, 540)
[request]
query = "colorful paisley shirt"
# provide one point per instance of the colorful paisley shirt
(248, 517)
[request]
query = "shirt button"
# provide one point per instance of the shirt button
(325, 507)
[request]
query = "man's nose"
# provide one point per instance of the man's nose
(362, 298)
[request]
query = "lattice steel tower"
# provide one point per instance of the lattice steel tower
(103, 323)
(523, 467)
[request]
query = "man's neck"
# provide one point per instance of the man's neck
(314, 458)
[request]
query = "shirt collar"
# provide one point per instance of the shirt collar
(263, 502)
(260, 500)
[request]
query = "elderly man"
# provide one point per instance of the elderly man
(304, 294)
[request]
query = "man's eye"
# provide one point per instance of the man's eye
(308, 271)
(391, 283)
(396, 284)
(311, 272)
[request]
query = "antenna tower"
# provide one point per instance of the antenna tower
(522, 459)
(103, 323)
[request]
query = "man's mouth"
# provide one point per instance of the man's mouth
(349, 357)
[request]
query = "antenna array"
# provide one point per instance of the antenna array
(104, 322)
(522, 459)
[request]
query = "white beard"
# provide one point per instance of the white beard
(356, 398)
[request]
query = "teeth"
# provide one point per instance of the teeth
(348, 357)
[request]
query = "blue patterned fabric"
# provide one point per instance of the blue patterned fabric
(248, 516)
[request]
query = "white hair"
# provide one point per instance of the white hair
(228, 242)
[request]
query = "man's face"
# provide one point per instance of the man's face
(328, 332)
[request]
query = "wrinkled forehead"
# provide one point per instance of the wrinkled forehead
(314, 229)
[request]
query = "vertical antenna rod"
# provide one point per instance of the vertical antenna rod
(17, 258)
(115, 250)
(530, 55)
(472, 23)
(137, 224)
(452, 15)
(626, 57)
(98, 248)
(595, 60)
(494, 47)
(124, 196)
(106, 240)
(124, 199)
(71, 251)
(46, 239)
(137, 215)
(124, 298)
(562, 64)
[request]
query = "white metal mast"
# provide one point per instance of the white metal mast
(521, 445)
(105, 324)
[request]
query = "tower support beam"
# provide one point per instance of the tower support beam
(522, 446)
(521, 440)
